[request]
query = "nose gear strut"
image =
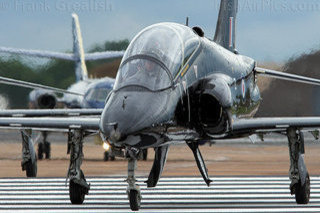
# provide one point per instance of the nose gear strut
(133, 190)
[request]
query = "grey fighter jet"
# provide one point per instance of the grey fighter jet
(174, 85)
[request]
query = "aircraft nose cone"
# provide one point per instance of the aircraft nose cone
(112, 132)
(129, 112)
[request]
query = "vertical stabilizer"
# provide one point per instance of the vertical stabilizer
(80, 66)
(226, 26)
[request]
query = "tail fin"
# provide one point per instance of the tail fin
(80, 66)
(225, 31)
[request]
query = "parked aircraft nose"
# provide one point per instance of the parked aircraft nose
(128, 112)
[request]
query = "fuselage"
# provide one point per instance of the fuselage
(171, 79)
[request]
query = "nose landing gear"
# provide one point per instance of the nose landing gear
(298, 174)
(133, 190)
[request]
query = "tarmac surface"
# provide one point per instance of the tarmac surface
(173, 194)
(247, 178)
(225, 158)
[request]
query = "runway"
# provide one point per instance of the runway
(174, 194)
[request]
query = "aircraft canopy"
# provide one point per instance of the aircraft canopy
(156, 55)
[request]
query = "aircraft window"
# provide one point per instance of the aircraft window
(98, 94)
(143, 72)
(162, 43)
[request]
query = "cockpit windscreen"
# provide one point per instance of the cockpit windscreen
(156, 55)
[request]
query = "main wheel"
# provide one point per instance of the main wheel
(47, 148)
(76, 192)
(40, 151)
(302, 192)
(31, 169)
(134, 199)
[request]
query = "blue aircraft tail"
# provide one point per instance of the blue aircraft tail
(225, 31)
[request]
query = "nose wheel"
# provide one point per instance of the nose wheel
(134, 196)
(133, 190)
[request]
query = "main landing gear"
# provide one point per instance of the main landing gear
(44, 147)
(29, 158)
(78, 186)
(298, 174)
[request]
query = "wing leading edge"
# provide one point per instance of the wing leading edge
(255, 125)
(62, 56)
(240, 127)
(25, 84)
(286, 76)
(50, 112)
(45, 123)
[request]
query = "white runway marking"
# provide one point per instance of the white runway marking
(226, 194)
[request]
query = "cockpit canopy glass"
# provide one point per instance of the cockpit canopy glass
(156, 55)
(97, 94)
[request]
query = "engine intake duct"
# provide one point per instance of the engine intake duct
(210, 110)
(214, 101)
(47, 101)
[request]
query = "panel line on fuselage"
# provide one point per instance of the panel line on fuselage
(179, 75)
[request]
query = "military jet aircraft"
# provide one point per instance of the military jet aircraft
(176, 86)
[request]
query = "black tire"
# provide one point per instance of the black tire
(134, 199)
(40, 151)
(76, 192)
(106, 156)
(47, 148)
(302, 193)
(145, 154)
(112, 158)
(31, 169)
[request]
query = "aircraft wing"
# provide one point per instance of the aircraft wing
(286, 76)
(50, 112)
(47, 123)
(103, 55)
(265, 125)
(30, 85)
(63, 56)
